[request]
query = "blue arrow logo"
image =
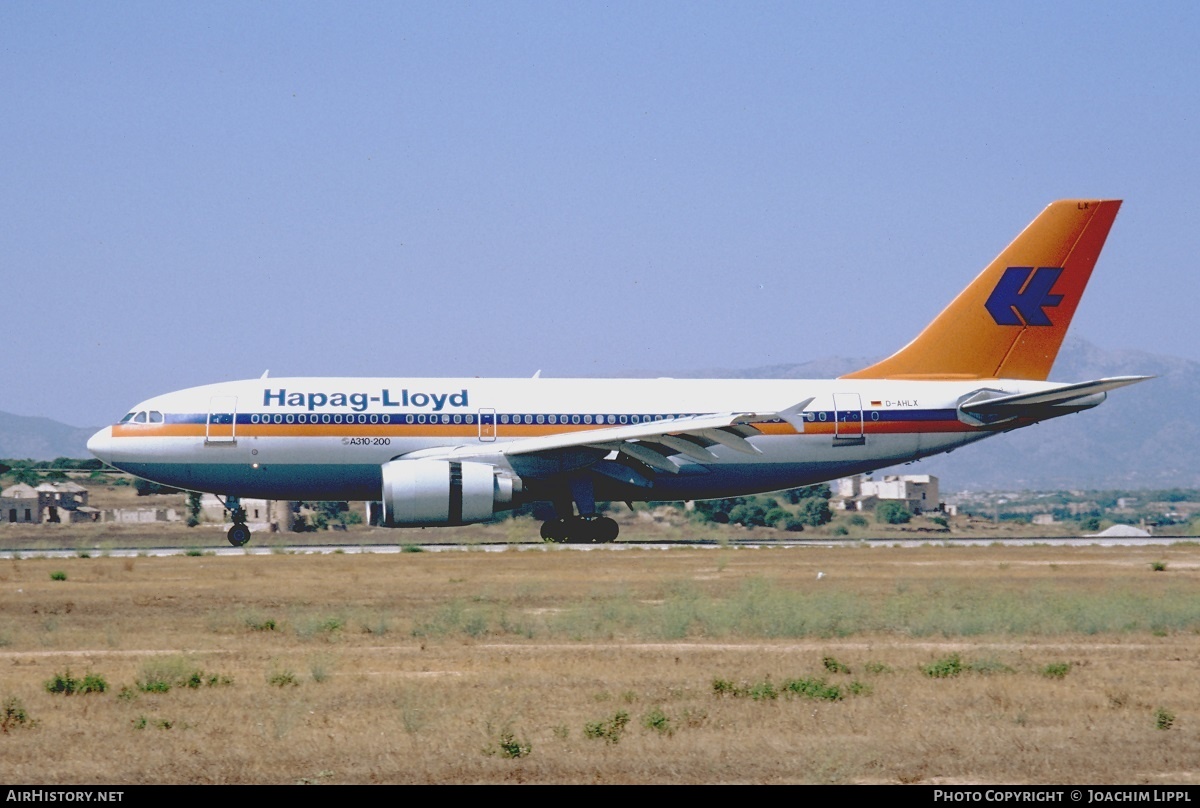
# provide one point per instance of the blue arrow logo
(1020, 299)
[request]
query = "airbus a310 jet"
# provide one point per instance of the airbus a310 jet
(441, 452)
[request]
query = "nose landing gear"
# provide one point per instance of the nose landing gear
(238, 535)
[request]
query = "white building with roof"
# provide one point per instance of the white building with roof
(918, 492)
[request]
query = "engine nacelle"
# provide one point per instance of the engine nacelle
(428, 493)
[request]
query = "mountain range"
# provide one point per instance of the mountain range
(1144, 436)
(29, 437)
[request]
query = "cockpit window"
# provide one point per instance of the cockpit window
(143, 417)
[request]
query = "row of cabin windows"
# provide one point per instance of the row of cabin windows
(156, 417)
(586, 419)
(422, 418)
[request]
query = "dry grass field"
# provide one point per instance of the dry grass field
(856, 664)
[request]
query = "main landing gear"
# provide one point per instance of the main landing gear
(580, 530)
(588, 527)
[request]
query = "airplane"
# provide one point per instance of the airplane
(437, 452)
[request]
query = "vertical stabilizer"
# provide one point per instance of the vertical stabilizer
(1010, 322)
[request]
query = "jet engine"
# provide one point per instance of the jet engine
(429, 493)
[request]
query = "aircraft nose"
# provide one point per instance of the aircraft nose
(100, 444)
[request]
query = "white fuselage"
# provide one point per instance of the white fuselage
(327, 438)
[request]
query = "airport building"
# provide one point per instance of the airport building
(918, 492)
(48, 502)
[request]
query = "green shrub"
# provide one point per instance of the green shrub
(61, 683)
(804, 687)
(58, 575)
(141, 722)
(833, 666)
(792, 524)
(13, 716)
(68, 685)
(282, 678)
(857, 688)
(1163, 718)
(161, 674)
(814, 511)
(1056, 670)
(507, 745)
(817, 689)
(93, 683)
(510, 747)
(327, 627)
(658, 721)
(724, 687)
(945, 668)
(775, 517)
(763, 691)
(892, 513)
(609, 731)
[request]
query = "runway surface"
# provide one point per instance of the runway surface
(384, 549)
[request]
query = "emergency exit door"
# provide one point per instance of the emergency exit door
(848, 420)
(221, 426)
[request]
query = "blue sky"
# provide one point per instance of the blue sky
(195, 192)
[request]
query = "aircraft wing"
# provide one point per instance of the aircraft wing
(990, 407)
(653, 442)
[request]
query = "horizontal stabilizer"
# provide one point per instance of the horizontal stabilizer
(988, 407)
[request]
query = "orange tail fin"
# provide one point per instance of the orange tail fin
(1010, 322)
